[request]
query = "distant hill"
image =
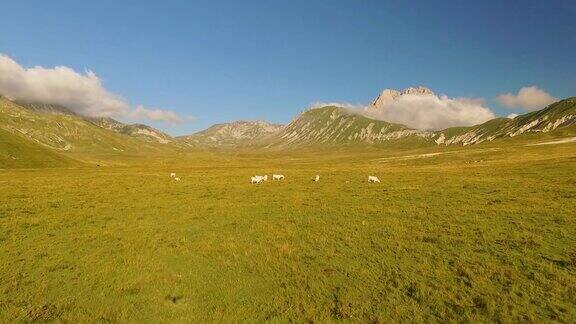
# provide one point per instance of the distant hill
(239, 133)
(60, 129)
(142, 131)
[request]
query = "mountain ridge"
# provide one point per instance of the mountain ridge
(340, 126)
(143, 131)
(59, 128)
(230, 134)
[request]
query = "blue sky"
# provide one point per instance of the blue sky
(227, 60)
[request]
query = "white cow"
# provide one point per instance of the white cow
(277, 177)
(256, 179)
(373, 179)
(265, 177)
(316, 178)
(172, 175)
(176, 178)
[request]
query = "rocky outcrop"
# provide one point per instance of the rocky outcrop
(390, 95)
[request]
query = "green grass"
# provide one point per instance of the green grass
(485, 233)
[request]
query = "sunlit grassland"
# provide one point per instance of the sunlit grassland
(480, 234)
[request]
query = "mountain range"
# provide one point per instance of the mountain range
(53, 127)
(338, 126)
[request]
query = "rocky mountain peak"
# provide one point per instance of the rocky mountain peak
(388, 95)
(417, 91)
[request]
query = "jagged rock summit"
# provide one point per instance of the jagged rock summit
(389, 95)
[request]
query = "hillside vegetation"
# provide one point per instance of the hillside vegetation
(18, 152)
(57, 128)
(337, 126)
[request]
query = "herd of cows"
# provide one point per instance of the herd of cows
(259, 179)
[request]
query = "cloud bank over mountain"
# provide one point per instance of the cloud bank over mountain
(82, 93)
(432, 112)
(528, 98)
(420, 108)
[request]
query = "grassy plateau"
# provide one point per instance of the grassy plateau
(478, 234)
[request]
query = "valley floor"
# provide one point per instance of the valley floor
(478, 234)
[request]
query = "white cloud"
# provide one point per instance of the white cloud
(474, 101)
(512, 116)
(431, 112)
(81, 93)
(154, 114)
(529, 98)
(320, 104)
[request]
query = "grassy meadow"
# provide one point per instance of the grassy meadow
(479, 234)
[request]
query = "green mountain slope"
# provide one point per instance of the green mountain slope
(141, 131)
(559, 115)
(57, 128)
(338, 126)
(18, 152)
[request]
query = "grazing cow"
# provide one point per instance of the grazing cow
(176, 178)
(373, 179)
(265, 177)
(317, 178)
(256, 179)
(172, 175)
(277, 177)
